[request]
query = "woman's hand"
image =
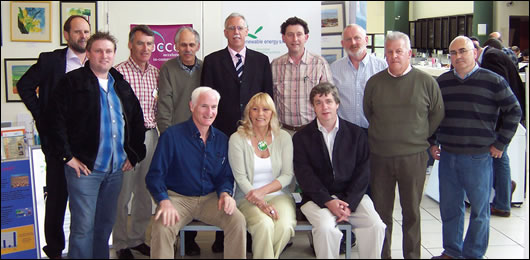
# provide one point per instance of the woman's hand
(269, 210)
(255, 196)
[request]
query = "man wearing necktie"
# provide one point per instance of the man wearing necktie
(237, 73)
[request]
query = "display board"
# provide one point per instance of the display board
(19, 229)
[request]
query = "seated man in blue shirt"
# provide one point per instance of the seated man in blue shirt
(190, 178)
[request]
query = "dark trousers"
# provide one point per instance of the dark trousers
(56, 199)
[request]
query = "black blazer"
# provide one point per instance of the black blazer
(498, 62)
(314, 171)
(45, 74)
(219, 73)
(74, 117)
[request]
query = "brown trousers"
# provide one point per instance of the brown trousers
(409, 172)
(202, 208)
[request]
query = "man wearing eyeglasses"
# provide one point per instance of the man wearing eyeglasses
(237, 73)
(404, 107)
(473, 97)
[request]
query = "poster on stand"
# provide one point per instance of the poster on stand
(19, 232)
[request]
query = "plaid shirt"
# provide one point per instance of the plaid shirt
(292, 85)
(144, 85)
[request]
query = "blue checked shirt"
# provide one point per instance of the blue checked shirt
(111, 153)
(351, 82)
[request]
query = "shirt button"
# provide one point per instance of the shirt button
(114, 136)
(114, 121)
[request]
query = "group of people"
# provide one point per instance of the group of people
(236, 133)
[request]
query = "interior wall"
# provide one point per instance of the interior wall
(428, 9)
(502, 12)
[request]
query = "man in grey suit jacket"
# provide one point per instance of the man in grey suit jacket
(237, 73)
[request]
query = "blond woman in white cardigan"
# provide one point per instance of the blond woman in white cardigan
(261, 158)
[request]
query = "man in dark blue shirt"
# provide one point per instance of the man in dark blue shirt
(190, 178)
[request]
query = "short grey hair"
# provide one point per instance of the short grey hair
(352, 25)
(469, 42)
(235, 15)
(200, 90)
(189, 29)
(394, 36)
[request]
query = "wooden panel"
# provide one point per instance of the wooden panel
(469, 25)
(430, 31)
(461, 25)
(445, 33)
(438, 33)
(453, 28)
(412, 34)
(418, 34)
(424, 34)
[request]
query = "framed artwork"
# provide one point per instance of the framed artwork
(332, 54)
(87, 9)
(332, 17)
(30, 21)
(14, 69)
(331, 41)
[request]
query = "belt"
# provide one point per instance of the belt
(293, 128)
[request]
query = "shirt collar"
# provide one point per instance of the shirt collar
(233, 53)
(468, 74)
(70, 54)
(184, 67)
(194, 131)
(404, 73)
(479, 60)
(364, 61)
(137, 67)
(302, 60)
(322, 129)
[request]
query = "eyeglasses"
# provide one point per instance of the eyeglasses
(460, 51)
(233, 28)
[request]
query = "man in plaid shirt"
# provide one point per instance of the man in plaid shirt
(294, 74)
(143, 78)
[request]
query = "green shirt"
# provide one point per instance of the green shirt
(402, 111)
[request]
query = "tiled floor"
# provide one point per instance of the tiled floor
(507, 236)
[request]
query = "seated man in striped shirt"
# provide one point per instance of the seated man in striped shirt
(473, 98)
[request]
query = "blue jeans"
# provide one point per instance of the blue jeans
(502, 182)
(462, 174)
(92, 215)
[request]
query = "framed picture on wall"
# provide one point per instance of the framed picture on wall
(87, 9)
(332, 54)
(332, 17)
(30, 21)
(14, 69)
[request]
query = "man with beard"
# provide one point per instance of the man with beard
(351, 73)
(294, 74)
(35, 88)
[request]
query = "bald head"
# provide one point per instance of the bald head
(495, 35)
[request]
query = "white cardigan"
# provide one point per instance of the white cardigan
(241, 158)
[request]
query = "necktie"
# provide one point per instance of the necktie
(239, 67)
